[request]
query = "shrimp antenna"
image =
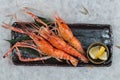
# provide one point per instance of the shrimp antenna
(36, 18)
(34, 25)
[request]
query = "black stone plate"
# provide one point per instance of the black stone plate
(86, 33)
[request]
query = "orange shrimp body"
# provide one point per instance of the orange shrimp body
(57, 41)
(67, 34)
(44, 46)
(61, 44)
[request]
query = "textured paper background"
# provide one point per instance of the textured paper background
(100, 11)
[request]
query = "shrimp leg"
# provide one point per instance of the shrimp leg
(23, 44)
(30, 59)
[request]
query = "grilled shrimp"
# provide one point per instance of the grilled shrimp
(67, 34)
(41, 45)
(55, 40)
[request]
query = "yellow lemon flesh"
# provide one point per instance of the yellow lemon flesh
(104, 56)
(98, 52)
(94, 51)
(101, 51)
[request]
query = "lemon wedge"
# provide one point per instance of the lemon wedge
(104, 56)
(94, 51)
(98, 52)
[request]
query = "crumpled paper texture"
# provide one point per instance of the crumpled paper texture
(99, 11)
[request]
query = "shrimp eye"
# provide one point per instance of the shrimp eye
(61, 22)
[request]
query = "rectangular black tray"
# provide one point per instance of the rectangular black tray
(86, 33)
